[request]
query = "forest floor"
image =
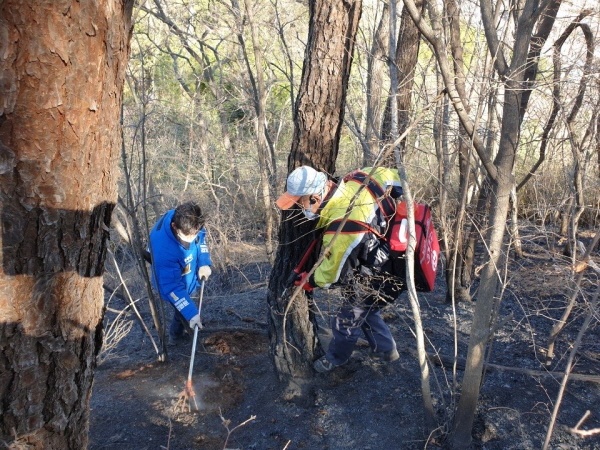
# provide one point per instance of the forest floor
(365, 404)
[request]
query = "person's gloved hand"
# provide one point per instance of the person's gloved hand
(204, 272)
(303, 278)
(195, 322)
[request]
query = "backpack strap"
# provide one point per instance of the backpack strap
(300, 266)
(386, 204)
(351, 226)
(305, 257)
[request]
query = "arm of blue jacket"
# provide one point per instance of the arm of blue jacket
(171, 285)
(203, 253)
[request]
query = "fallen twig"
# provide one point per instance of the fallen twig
(442, 360)
(583, 433)
(132, 303)
(227, 422)
(569, 366)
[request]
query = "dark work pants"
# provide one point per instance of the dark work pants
(365, 295)
(347, 326)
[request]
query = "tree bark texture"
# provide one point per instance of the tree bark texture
(62, 67)
(319, 111)
(318, 120)
(407, 52)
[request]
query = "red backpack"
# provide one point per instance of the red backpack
(427, 251)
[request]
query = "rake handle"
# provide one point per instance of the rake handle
(196, 328)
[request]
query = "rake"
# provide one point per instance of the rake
(188, 395)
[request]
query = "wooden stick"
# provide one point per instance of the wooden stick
(583, 433)
(442, 360)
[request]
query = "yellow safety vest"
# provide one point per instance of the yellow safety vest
(359, 222)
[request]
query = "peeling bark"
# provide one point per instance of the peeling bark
(61, 69)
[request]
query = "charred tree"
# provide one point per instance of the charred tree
(318, 118)
(61, 70)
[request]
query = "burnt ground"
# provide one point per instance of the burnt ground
(365, 404)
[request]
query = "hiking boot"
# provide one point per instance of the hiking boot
(323, 365)
(390, 356)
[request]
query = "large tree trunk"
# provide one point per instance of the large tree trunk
(318, 120)
(61, 72)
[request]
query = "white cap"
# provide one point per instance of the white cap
(304, 180)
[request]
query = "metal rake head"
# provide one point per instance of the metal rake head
(186, 398)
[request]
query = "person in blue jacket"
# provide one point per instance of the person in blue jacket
(180, 262)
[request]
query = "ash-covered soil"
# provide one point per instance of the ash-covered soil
(365, 404)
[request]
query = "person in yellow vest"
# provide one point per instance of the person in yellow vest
(358, 260)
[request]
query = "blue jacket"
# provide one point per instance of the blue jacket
(175, 267)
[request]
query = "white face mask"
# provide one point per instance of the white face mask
(189, 238)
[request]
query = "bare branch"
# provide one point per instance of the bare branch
(460, 104)
(583, 433)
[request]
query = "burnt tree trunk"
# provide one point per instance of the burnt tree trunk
(318, 119)
(62, 67)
